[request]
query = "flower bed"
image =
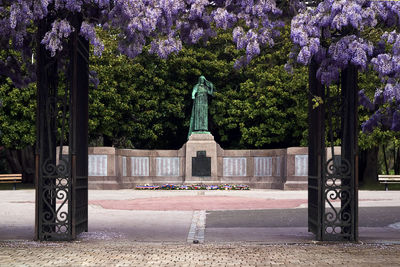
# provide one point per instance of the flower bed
(193, 187)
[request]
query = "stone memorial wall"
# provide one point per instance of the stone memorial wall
(111, 168)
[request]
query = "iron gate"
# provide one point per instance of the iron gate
(332, 181)
(62, 119)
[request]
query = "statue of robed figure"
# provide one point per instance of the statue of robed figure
(199, 118)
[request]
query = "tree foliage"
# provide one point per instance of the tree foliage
(258, 109)
(17, 115)
(136, 103)
(146, 102)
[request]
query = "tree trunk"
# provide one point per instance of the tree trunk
(22, 161)
(370, 168)
(396, 166)
(385, 159)
(107, 141)
(394, 158)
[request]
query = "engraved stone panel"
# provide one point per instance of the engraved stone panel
(301, 165)
(167, 166)
(140, 166)
(262, 166)
(123, 166)
(278, 166)
(235, 166)
(97, 165)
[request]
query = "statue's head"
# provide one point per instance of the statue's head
(202, 79)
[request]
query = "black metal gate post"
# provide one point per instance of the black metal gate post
(79, 79)
(52, 177)
(316, 155)
(349, 152)
(333, 182)
(61, 183)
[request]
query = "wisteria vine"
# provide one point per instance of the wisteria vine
(331, 35)
(166, 24)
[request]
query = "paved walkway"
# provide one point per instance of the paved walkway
(200, 202)
(126, 253)
(248, 228)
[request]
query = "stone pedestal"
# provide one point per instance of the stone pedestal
(196, 146)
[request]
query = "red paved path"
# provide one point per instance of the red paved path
(199, 203)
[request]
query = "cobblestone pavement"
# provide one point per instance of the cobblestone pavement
(128, 253)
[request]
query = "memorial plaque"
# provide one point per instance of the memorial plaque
(201, 164)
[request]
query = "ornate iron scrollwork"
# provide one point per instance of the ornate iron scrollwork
(337, 219)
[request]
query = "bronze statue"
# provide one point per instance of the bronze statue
(199, 118)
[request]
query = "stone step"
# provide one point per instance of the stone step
(104, 185)
(296, 185)
(298, 178)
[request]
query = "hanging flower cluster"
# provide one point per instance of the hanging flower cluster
(327, 34)
(169, 23)
(330, 35)
(386, 102)
(386, 62)
(166, 24)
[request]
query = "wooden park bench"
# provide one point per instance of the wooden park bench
(11, 179)
(388, 179)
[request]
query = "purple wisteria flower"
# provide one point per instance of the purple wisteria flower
(383, 64)
(396, 121)
(364, 101)
(223, 19)
(374, 121)
(53, 39)
(165, 47)
(88, 31)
